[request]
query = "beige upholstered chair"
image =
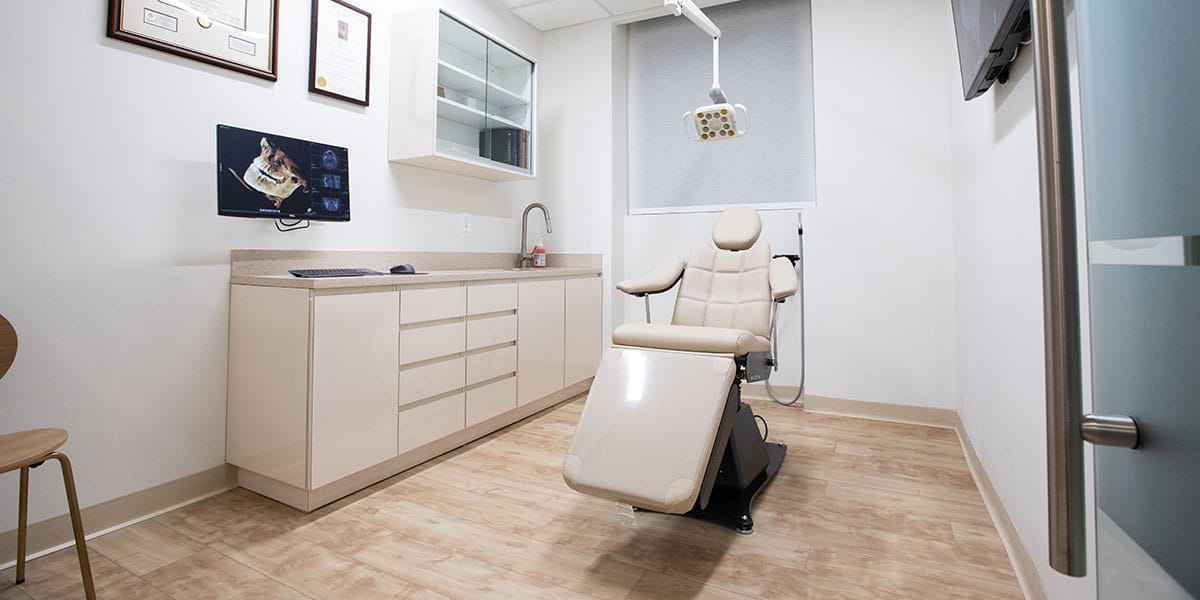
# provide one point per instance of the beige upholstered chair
(27, 450)
(664, 427)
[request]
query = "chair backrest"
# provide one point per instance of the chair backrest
(725, 283)
(8, 345)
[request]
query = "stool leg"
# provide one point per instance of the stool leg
(85, 567)
(22, 519)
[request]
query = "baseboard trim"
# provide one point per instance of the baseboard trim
(757, 391)
(54, 533)
(879, 411)
(1022, 563)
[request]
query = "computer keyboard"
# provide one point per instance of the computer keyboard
(333, 272)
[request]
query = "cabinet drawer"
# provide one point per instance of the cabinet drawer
(490, 400)
(491, 297)
(432, 304)
(493, 363)
(432, 421)
(422, 343)
(432, 379)
(482, 333)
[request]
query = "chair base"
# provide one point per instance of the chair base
(748, 465)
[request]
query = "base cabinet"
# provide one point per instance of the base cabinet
(354, 378)
(331, 390)
(584, 336)
(541, 334)
(560, 335)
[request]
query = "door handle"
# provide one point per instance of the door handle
(1060, 289)
(1103, 430)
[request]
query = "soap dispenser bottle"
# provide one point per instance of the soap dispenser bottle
(539, 254)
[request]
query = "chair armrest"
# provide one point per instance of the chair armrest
(659, 280)
(781, 274)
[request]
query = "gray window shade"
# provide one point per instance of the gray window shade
(766, 64)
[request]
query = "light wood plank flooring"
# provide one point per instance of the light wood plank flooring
(861, 509)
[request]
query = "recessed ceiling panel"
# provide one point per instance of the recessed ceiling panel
(618, 7)
(552, 14)
(515, 3)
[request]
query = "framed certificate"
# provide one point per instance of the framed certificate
(340, 55)
(235, 34)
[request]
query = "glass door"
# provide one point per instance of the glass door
(1139, 71)
(462, 92)
(509, 106)
(485, 98)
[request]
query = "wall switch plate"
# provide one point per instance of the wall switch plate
(465, 223)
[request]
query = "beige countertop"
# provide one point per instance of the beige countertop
(448, 276)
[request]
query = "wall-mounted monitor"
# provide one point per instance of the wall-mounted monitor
(989, 33)
(278, 177)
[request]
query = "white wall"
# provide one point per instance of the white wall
(113, 263)
(577, 151)
(878, 246)
(997, 245)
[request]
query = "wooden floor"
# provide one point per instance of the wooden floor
(861, 509)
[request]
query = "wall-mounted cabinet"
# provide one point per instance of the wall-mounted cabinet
(462, 101)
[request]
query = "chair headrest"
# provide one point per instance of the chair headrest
(737, 228)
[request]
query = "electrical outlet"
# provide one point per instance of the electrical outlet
(465, 223)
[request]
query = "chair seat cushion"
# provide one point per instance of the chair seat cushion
(687, 338)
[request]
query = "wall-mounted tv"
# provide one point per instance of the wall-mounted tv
(278, 177)
(989, 33)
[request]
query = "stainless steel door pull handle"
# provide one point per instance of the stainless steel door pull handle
(1103, 430)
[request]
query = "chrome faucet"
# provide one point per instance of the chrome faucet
(528, 255)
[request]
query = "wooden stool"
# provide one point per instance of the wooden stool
(26, 450)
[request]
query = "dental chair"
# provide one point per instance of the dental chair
(664, 428)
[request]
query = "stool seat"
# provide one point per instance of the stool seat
(24, 447)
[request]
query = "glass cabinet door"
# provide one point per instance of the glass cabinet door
(485, 99)
(509, 107)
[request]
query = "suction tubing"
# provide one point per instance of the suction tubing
(799, 264)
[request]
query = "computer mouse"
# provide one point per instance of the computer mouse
(404, 269)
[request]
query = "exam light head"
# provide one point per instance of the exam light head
(723, 121)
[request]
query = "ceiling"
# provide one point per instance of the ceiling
(552, 14)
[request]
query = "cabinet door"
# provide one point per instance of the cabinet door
(583, 334)
(267, 413)
(541, 316)
(354, 383)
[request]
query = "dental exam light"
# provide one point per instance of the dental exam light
(720, 120)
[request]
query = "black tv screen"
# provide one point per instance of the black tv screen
(989, 33)
(278, 177)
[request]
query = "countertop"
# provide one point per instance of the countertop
(447, 276)
(269, 268)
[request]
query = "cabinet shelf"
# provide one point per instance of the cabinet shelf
(471, 117)
(468, 158)
(452, 77)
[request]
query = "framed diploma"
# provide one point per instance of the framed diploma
(340, 56)
(235, 34)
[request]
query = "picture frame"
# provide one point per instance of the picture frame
(240, 35)
(339, 62)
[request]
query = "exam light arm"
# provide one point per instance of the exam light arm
(693, 13)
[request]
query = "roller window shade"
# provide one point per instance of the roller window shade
(766, 64)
